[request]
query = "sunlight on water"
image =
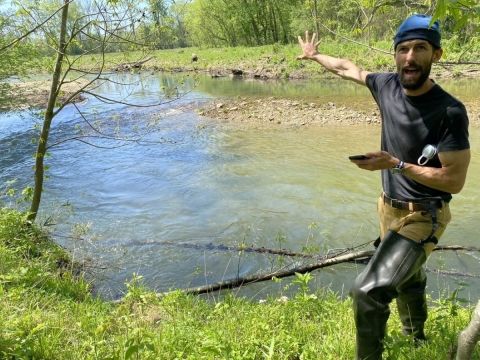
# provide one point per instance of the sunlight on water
(196, 182)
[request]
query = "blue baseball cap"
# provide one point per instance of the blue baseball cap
(418, 27)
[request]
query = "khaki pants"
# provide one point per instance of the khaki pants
(415, 225)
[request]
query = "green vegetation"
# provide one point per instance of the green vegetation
(267, 57)
(279, 61)
(223, 25)
(48, 313)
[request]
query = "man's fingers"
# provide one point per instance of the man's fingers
(318, 43)
(306, 36)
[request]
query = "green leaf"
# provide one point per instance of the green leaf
(130, 351)
(461, 22)
(440, 11)
(37, 328)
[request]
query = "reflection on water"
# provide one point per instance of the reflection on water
(335, 90)
(268, 188)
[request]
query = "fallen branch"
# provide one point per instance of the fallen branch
(131, 65)
(284, 252)
(361, 257)
(239, 281)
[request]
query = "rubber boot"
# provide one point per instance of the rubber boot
(412, 306)
(396, 261)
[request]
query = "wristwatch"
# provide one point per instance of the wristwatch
(397, 170)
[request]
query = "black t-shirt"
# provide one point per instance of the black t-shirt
(409, 123)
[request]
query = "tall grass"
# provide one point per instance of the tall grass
(47, 312)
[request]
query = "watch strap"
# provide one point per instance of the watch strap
(399, 168)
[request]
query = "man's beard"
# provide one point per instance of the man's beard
(412, 84)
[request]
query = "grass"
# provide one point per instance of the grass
(48, 312)
(279, 61)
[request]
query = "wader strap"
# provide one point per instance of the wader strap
(433, 212)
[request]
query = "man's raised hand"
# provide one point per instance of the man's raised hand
(309, 47)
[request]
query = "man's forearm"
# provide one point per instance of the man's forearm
(341, 67)
(444, 179)
(334, 65)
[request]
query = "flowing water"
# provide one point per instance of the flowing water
(193, 181)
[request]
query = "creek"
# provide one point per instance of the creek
(194, 181)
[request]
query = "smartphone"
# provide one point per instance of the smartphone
(358, 157)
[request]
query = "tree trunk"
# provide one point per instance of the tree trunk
(317, 28)
(468, 338)
(47, 120)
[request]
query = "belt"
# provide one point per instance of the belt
(411, 205)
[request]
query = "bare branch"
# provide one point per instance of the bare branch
(353, 41)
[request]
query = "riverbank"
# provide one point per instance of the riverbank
(48, 312)
(262, 63)
(275, 62)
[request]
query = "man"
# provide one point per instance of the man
(424, 159)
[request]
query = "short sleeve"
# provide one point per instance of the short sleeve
(454, 130)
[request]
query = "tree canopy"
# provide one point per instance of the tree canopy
(222, 23)
(255, 22)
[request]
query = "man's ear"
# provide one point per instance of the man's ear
(437, 55)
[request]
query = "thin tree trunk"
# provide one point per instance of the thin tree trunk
(317, 28)
(468, 338)
(47, 120)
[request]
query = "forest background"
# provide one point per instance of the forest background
(222, 24)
